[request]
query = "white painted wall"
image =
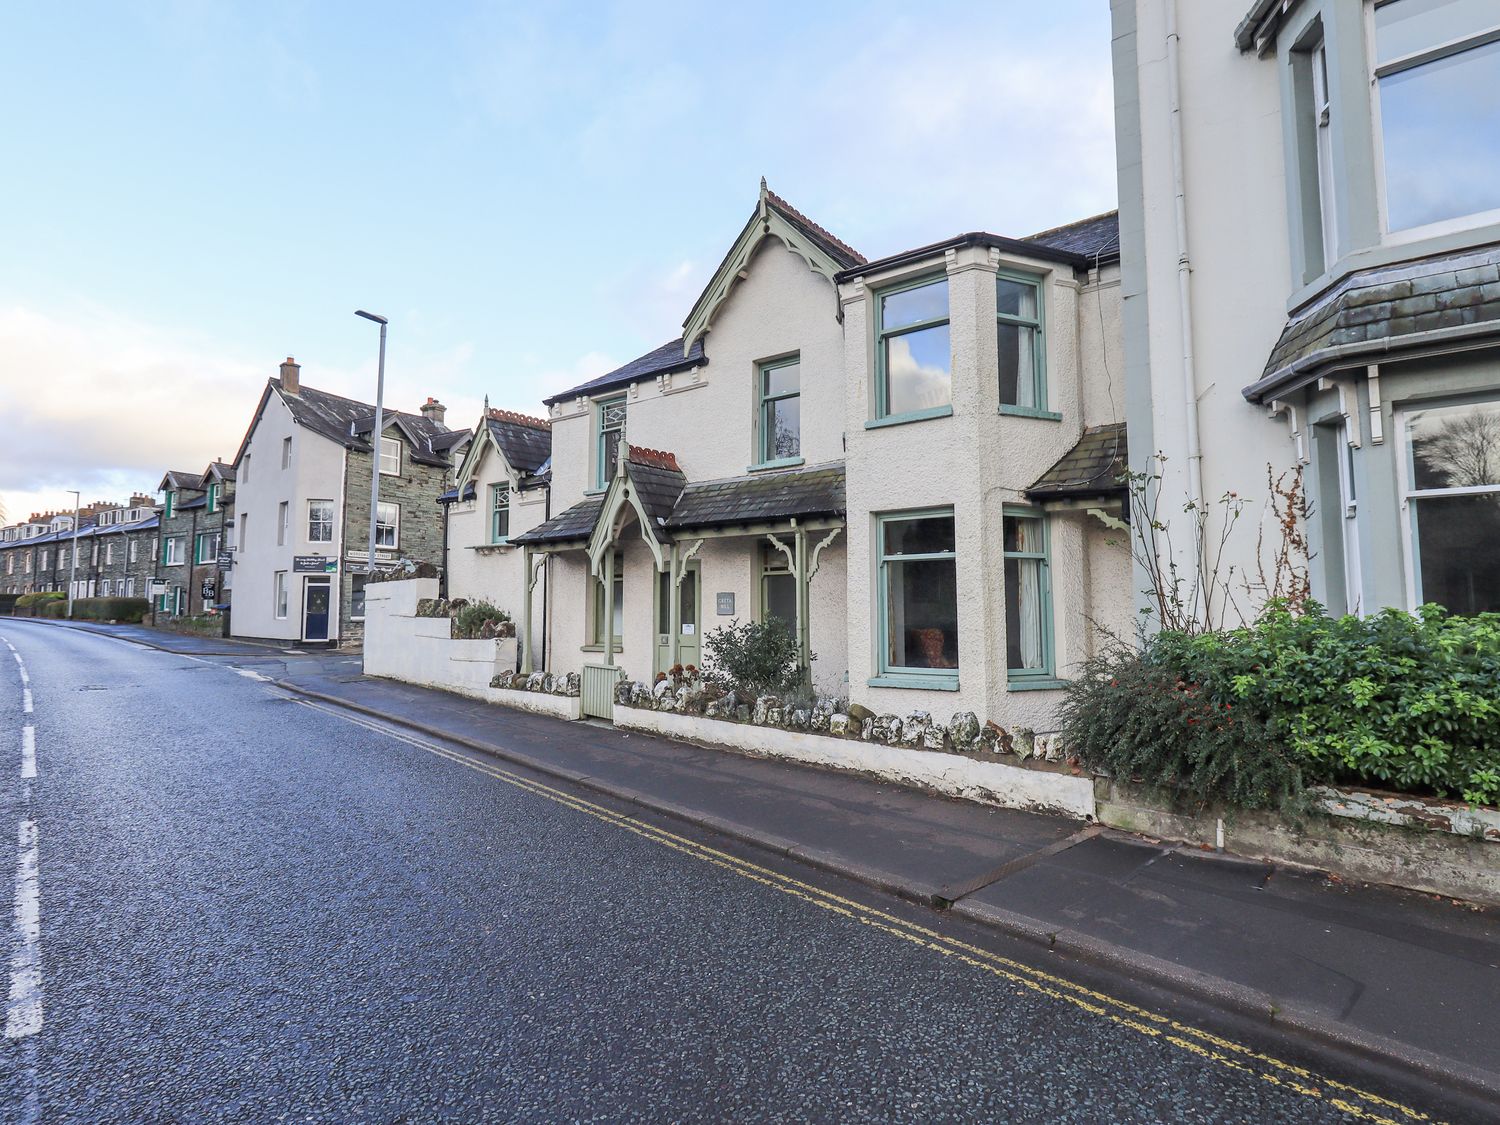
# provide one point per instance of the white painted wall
(316, 472)
(479, 569)
(975, 462)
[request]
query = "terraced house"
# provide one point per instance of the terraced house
(1327, 295)
(197, 527)
(302, 502)
(858, 449)
(116, 545)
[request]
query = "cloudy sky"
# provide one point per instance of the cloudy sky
(532, 193)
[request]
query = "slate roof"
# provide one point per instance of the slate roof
(658, 361)
(816, 490)
(452, 494)
(178, 480)
(1371, 311)
(575, 523)
(1087, 242)
(658, 482)
(220, 470)
(526, 442)
(1095, 466)
(343, 420)
(1095, 237)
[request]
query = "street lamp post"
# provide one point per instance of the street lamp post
(73, 554)
(375, 440)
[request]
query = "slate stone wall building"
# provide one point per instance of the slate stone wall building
(116, 549)
(301, 507)
(1331, 297)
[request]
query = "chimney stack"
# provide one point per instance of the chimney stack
(434, 411)
(291, 381)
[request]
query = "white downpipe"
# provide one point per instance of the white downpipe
(1184, 265)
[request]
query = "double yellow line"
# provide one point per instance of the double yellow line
(1359, 1104)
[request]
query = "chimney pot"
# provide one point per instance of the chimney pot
(291, 381)
(434, 411)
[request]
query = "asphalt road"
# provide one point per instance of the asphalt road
(255, 910)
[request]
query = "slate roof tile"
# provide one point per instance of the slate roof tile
(658, 361)
(816, 490)
(1372, 309)
(525, 441)
(1095, 466)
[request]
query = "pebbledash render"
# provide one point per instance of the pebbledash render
(1328, 293)
(913, 463)
(302, 507)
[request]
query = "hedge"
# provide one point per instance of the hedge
(131, 610)
(34, 605)
(1252, 715)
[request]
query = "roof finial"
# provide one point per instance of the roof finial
(486, 404)
(763, 185)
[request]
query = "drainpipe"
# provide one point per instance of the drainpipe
(443, 575)
(546, 575)
(1184, 263)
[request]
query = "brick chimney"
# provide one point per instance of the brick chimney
(434, 411)
(291, 372)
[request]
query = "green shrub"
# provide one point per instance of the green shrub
(472, 616)
(56, 608)
(132, 610)
(1133, 715)
(1392, 700)
(758, 657)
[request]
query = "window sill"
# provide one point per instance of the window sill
(619, 648)
(783, 463)
(1038, 684)
(595, 491)
(921, 683)
(914, 416)
(1029, 412)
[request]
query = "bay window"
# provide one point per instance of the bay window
(917, 593)
(913, 359)
(1437, 68)
(1028, 596)
(1452, 501)
(1018, 311)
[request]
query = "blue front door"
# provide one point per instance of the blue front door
(316, 598)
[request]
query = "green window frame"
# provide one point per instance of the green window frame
(775, 571)
(596, 605)
(499, 513)
(213, 497)
(1026, 549)
(205, 547)
(934, 641)
(168, 504)
(1021, 336)
(889, 335)
(773, 446)
(609, 433)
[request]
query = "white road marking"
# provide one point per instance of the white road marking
(26, 705)
(24, 1016)
(250, 674)
(28, 751)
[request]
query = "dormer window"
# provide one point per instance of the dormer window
(390, 457)
(213, 497)
(610, 432)
(168, 504)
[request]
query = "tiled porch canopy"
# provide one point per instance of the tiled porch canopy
(798, 511)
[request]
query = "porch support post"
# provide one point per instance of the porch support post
(607, 626)
(804, 606)
(674, 600)
(526, 584)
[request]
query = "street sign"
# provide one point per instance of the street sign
(226, 560)
(158, 585)
(208, 591)
(313, 564)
